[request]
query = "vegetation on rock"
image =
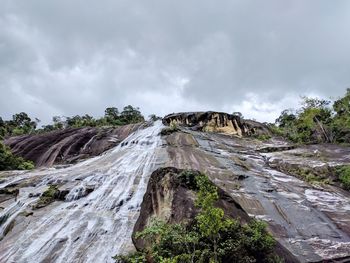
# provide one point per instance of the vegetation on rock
(343, 173)
(211, 237)
(47, 197)
(21, 123)
(112, 117)
(316, 121)
(8, 161)
(173, 127)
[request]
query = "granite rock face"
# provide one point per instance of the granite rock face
(68, 145)
(310, 220)
(259, 178)
(219, 122)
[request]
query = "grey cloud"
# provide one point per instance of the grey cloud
(71, 57)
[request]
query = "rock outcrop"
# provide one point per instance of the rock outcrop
(171, 198)
(217, 122)
(68, 145)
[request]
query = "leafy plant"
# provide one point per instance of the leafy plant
(8, 161)
(48, 196)
(343, 174)
(212, 237)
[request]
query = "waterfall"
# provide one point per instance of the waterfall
(96, 220)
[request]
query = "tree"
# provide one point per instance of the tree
(238, 114)
(131, 115)
(23, 124)
(2, 128)
(211, 219)
(112, 112)
(154, 117)
(58, 122)
(311, 123)
(286, 118)
(81, 121)
(341, 120)
(342, 105)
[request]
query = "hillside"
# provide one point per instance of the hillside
(114, 180)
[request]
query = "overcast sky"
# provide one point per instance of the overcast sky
(66, 57)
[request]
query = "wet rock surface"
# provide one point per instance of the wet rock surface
(68, 145)
(81, 213)
(103, 195)
(303, 217)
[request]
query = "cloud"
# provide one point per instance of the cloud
(74, 57)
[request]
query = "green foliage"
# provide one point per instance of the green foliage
(131, 115)
(173, 125)
(8, 161)
(81, 121)
(171, 129)
(341, 121)
(311, 123)
(286, 118)
(154, 117)
(238, 114)
(343, 173)
(263, 137)
(48, 196)
(210, 238)
(136, 257)
(21, 123)
(316, 121)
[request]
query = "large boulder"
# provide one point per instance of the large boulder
(220, 122)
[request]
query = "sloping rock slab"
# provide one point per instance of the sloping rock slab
(69, 145)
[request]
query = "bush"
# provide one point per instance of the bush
(47, 197)
(263, 137)
(8, 161)
(316, 121)
(136, 257)
(343, 173)
(210, 238)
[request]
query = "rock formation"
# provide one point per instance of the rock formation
(219, 122)
(68, 145)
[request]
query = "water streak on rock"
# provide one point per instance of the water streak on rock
(87, 227)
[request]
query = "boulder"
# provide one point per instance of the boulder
(219, 122)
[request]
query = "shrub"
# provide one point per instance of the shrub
(343, 173)
(8, 161)
(47, 197)
(210, 238)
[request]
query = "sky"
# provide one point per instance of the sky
(68, 57)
